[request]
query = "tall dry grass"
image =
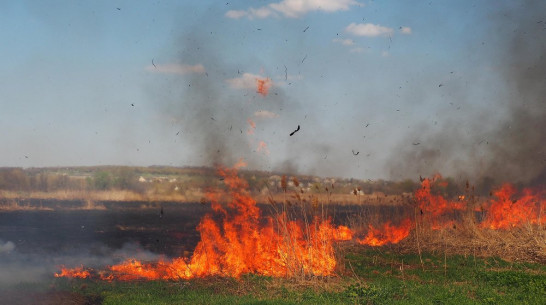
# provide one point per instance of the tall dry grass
(462, 235)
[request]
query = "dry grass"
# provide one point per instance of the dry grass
(97, 196)
(525, 243)
(333, 198)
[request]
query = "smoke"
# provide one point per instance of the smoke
(6, 247)
(25, 267)
(212, 108)
(506, 142)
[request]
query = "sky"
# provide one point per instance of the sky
(377, 89)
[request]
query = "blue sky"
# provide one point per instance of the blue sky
(174, 82)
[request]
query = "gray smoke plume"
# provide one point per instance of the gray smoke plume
(211, 116)
(507, 142)
(24, 267)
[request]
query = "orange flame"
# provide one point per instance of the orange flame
(342, 233)
(388, 234)
(505, 212)
(242, 242)
(433, 207)
(263, 85)
(78, 272)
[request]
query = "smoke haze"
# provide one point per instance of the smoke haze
(506, 142)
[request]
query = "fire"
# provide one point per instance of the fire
(78, 272)
(263, 85)
(262, 147)
(434, 207)
(388, 234)
(237, 240)
(342, 233)
(505, 211)
(251, 127)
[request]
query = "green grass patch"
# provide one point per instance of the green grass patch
(371, 277)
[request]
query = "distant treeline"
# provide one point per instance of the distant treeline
(168, 180)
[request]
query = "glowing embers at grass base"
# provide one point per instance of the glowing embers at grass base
(78, 272)
(508, 210)
(236, 240)
(387, 234)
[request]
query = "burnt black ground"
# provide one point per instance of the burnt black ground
(162, 228)
(50, 232)
(36, 242)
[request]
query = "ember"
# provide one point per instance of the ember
(263, 85)
(251, 127)
(262, 147)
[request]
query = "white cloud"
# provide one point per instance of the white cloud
(246, 81)
(405, 30)
(265, 114)
(345, 42)
(176, 68)
(236, 14)
(297, 8)
(368, 29)
(262, 12)
(293, 8)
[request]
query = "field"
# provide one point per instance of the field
(391, 274)
(294, 247)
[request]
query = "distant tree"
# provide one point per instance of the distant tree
(13, 179)
(125, 178)
(102, 180)
(408, 186)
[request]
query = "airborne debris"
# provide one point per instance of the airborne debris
(304, 58)
(306, 29)
(356, 154)
(293, 132)
(153, 63)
